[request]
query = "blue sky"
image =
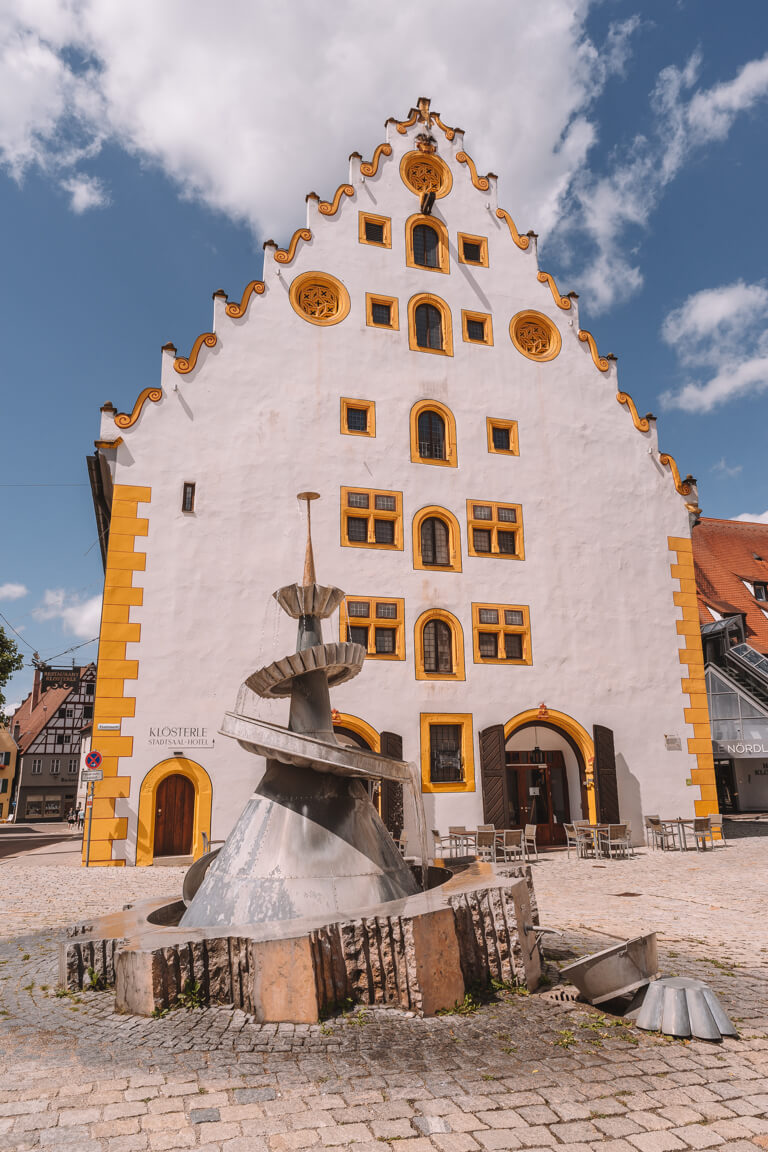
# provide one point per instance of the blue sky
(147, 150)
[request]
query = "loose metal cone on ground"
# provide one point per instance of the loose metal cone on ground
(678, 1006)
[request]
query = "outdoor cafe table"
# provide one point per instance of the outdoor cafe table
(594, 831)
(677, 828)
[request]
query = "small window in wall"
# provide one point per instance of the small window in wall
(760, 590)
(73, 766)
(439, 646)
(377, 624)
(501, 634)
(89, 689)
(426, 243)
(188, 497)
(37, 767)
(371, 519)
(4, 784)
(88, 712)
(502, 436)
(447, 762)
(358, 417)
(436, 540)
(375, 230)
(476, 327)
(495, 530)
(381, 311)
(473, 250)
(433, 434)
(55, 764)
(429, 325)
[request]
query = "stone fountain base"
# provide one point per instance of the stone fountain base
(421, 953)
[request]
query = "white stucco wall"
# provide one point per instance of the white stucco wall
(257, 421)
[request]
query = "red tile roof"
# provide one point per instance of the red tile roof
(726, 554)
(32, 720)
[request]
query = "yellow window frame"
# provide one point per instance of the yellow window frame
(481, 240)
(443, 253)
(373, 219)
(451, 453)
(445, 312)
(485, 318)
(371, 621)
(457, 645)
(494, 525)
(372, 513)
(511, 425)
(454, 539)
(372, 298)
(501, 629)
(348, 402)
(464, 720)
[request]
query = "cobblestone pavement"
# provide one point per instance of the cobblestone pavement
(519, 1072)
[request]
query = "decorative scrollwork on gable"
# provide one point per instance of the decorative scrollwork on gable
(682, 486)
(285, 255)
(403, 125)
(331, 208)
(238, 310)
(600, 361)
(185, 364)
(522, 242)
(449, 132)
(642, 423)
(128, 419)
(371, 167)
(561, 301)
(481, 182)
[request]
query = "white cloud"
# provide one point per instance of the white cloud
(12, 591)
(9, 709)
(80, 617)
(85, 192)
(250, 112)
(720, 337)
(725, 468)
(757, 518)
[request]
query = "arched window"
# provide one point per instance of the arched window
(429, 327)
(435, 542)
(431, 432)
(438, 647)
(426, 246)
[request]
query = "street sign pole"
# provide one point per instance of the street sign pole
(89, 805)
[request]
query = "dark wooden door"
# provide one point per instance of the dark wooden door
(538, 794)
(174, 816)
(606, 786)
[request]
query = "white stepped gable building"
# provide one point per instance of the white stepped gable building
(515, 550)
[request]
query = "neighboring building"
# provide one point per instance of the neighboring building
(8, 753)
(515, 549)
(731, 562)
(47, 727)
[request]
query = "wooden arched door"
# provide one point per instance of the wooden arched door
(174, 816)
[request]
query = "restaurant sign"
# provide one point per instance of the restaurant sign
(741, 748)
(60, 678)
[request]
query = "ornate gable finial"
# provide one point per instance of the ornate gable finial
(423, 103)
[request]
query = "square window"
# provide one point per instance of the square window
(382, 311)
(357, 529)
(357, 419)
(761, 591)
(374, 229)
(445, 754)
(512, 617)
(89, 689)
(501, 438)
(472, 252)
(488, 644)
(513, 646)
(384, 531)
(381, 314)
(476, 327)
(508, 515)
(385, 640)
(386, 611)
(374, 232)
(358, 635)
(489, 615)
(385, 503)
(481, 538)
(476, 330)
(357, 608)
(358, 500)
(507, 542)
(482, 512)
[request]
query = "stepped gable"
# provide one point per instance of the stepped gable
(726, 553)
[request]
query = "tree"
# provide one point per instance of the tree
(11, 661)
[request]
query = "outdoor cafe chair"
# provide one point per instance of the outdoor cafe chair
(648, 836)
(456, 829)
(629, 849)
(662, 833)
(611, 840)
(529, 840)
(572, 840)
(702, 832)
(585, 838)
(486, 844)
(716, 824)
(439, 843)
(511, 845)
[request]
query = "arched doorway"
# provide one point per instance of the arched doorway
(174, 816)
(176, 786)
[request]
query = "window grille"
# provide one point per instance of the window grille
(357, 529)
(507, 542)
(385, 503)
(55, 767)
(385, 640)
(482, 512)
(37, 767)
(445, 753)
(357, 419)
(73, 766)
(88, 712)
(501, 634)
(513, 646)
(364, 618)
(508, 515)
(481, 538)
(488, 615)
(425, 246)
(488, 644)
(374, 233)
(473, 253)
(512, 617)
(358, 635)
(761, 591)
(429, 327)
(358, 500)
(357, 608)
(381, 314)
(89, 689)
(501, 439)
(386, 611)
(438, 647)
(476, 330)
(435, 543)
(382, 523)
(488, 531)
(188, 498)
(431, 433)
(383, 531)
